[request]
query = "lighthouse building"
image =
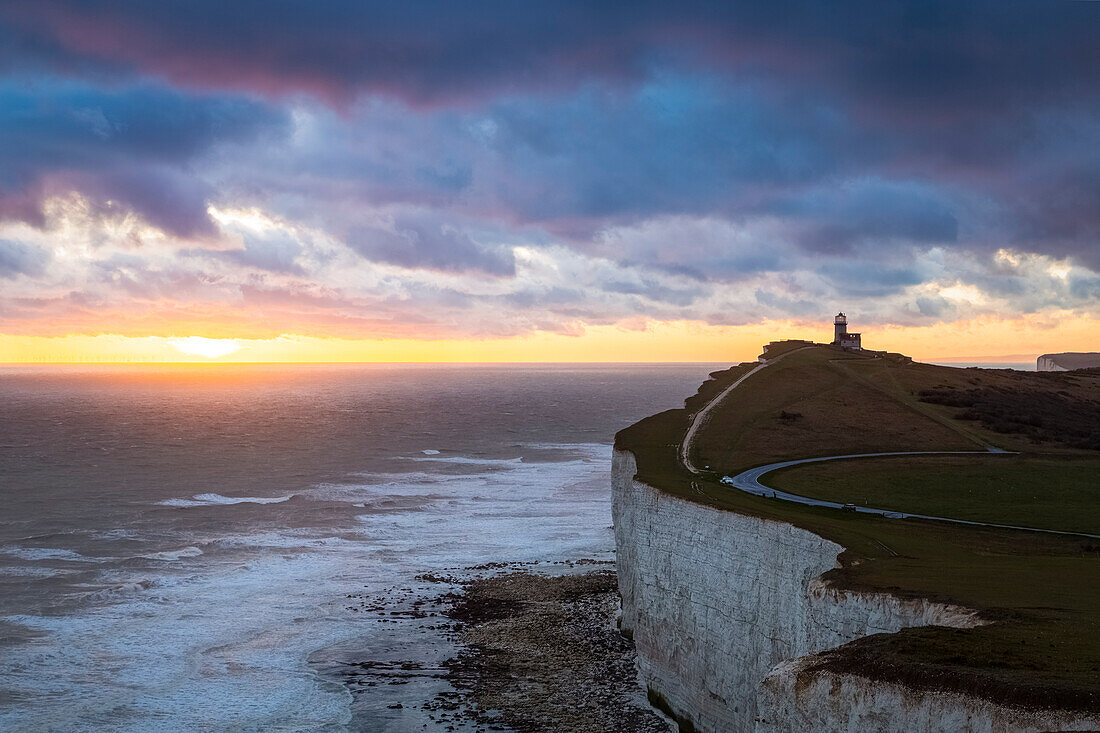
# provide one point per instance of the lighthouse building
(841, 337)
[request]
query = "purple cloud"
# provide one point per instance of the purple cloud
(420, 241)
(125, 149)
(520, 166)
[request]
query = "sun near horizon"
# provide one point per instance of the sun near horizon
(990, 340)
(666, 196)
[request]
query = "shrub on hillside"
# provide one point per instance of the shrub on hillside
(1042, 416)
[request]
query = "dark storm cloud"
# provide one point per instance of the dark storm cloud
(871, 211)
(870, 279)
(914, 54)
(1059, 211)
(803, 93)
(124, 149)
(418, 51)
(675, 145)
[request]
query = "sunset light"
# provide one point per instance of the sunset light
(297, 192)
(415, 366)
(210, 348)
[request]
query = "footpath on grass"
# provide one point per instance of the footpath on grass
(703, 414)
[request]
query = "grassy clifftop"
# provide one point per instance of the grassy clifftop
(1043, 592)
(820, 401)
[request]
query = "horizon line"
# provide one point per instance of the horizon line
(944, 361)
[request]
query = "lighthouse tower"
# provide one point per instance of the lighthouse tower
(840, 327)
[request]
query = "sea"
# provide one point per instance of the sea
(1018, 366)
(241, 547)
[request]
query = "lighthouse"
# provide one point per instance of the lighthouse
(841, 337)
(840, 327)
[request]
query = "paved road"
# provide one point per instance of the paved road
(749, 481)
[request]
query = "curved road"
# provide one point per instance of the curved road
(749, 481)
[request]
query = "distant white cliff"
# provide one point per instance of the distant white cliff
(1067, 362)
(725, 609)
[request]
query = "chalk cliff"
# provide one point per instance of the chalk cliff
(723, 608)
(1067, 361)
(844, 702)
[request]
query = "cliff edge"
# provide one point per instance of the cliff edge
(750, 616)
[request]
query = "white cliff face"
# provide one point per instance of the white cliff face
(851, 704)
(717, 601)
(1047, 364)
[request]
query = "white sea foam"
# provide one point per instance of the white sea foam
(45, 553)
(174, 554)
(301, 539)
(466, 460)
(33, 572)
(383, 497)
(583, 447)
(122, 589)
(388, 478)
(114, 534)
(225, 628)
(218, 499)
(253, 634)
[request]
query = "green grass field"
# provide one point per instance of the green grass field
(1049, 492)
(1041, 591)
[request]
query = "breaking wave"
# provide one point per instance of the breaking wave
(44, 553)
(218, 499)
(174, 554)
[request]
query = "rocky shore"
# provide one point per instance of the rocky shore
(525, 646)
(542, 653)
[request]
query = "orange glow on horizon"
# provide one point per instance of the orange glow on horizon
(669, 341)
(205, 347)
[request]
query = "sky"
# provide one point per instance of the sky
(566, 181)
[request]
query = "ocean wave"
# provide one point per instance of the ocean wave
(34, 572)
(45, 553)
(174, 554)
(599, 448)
(430, 452)
(113, 534)
(218, 500)
(368, 479)
(466, 460)
(419, 492)
(291, 540)
(122, 589)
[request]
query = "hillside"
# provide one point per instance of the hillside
(1041, 592)
(820, 401)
